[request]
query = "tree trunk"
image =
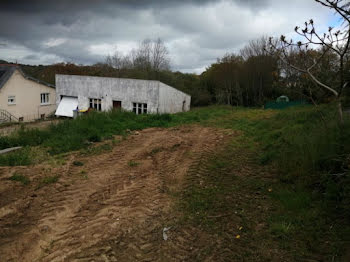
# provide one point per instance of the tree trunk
(340, 112)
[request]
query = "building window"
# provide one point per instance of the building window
(95, 104)
(20, 119)
(42, 116)
(139, 108)
(44, 98)
(11, 100)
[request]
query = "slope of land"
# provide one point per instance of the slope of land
(220, 183)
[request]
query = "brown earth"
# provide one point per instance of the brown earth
(113, 208)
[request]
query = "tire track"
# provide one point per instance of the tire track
(119, 212)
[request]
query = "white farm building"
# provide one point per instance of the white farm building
(106, 93)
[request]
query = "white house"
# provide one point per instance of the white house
(106, 93)
(22, 97)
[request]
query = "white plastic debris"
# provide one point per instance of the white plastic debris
(165, 236)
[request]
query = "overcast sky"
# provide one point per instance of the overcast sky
(196, 32)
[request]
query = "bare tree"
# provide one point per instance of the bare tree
(142, 55)
(150, 57)
(160, 59)
(257, 47)
(333, 41)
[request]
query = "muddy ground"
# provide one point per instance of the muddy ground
(113, 207)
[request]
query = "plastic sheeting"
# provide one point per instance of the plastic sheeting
(66, 106)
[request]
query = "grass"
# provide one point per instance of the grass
(133, 163)
(96, 150)
(308, 152)
(70, 135)
(78, 163)
(20, 178)
(287, 173)
(47, 181)
(84, 174)
(20, 157)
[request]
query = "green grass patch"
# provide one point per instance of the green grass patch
(20, 157)
(133, 163)
(47, 181)
(308, 151)
(20, 178)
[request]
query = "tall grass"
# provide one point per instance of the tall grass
(304, 141)
(72, 135)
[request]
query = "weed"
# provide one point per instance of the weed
(282, 229)
(133, 163)
(115, 142)
(84, 174)
(20, 157)
(70, 135)
(96, 150)
(78, 163)
(156, 150)
(20, 178)
(47, 180)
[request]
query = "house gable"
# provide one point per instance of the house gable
(26, 98)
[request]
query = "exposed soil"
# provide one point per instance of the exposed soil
(113, 208)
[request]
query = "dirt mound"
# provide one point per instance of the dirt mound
(113, 208)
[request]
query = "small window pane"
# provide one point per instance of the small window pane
(11, 100)
(139, 108)
(96, 104)
(44, 98)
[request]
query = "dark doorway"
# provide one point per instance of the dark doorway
(117, 104)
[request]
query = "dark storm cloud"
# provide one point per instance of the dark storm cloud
(67, 11)
(83, 31)
(25, 6)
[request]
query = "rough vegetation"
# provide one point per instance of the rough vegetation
(259, 185)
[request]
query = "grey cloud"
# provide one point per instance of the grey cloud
(25, 6)
(32, 57)
(197, 31)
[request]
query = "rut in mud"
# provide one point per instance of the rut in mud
(113, 208)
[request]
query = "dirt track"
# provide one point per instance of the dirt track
(113, 208)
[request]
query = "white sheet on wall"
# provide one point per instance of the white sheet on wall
(66, 106)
